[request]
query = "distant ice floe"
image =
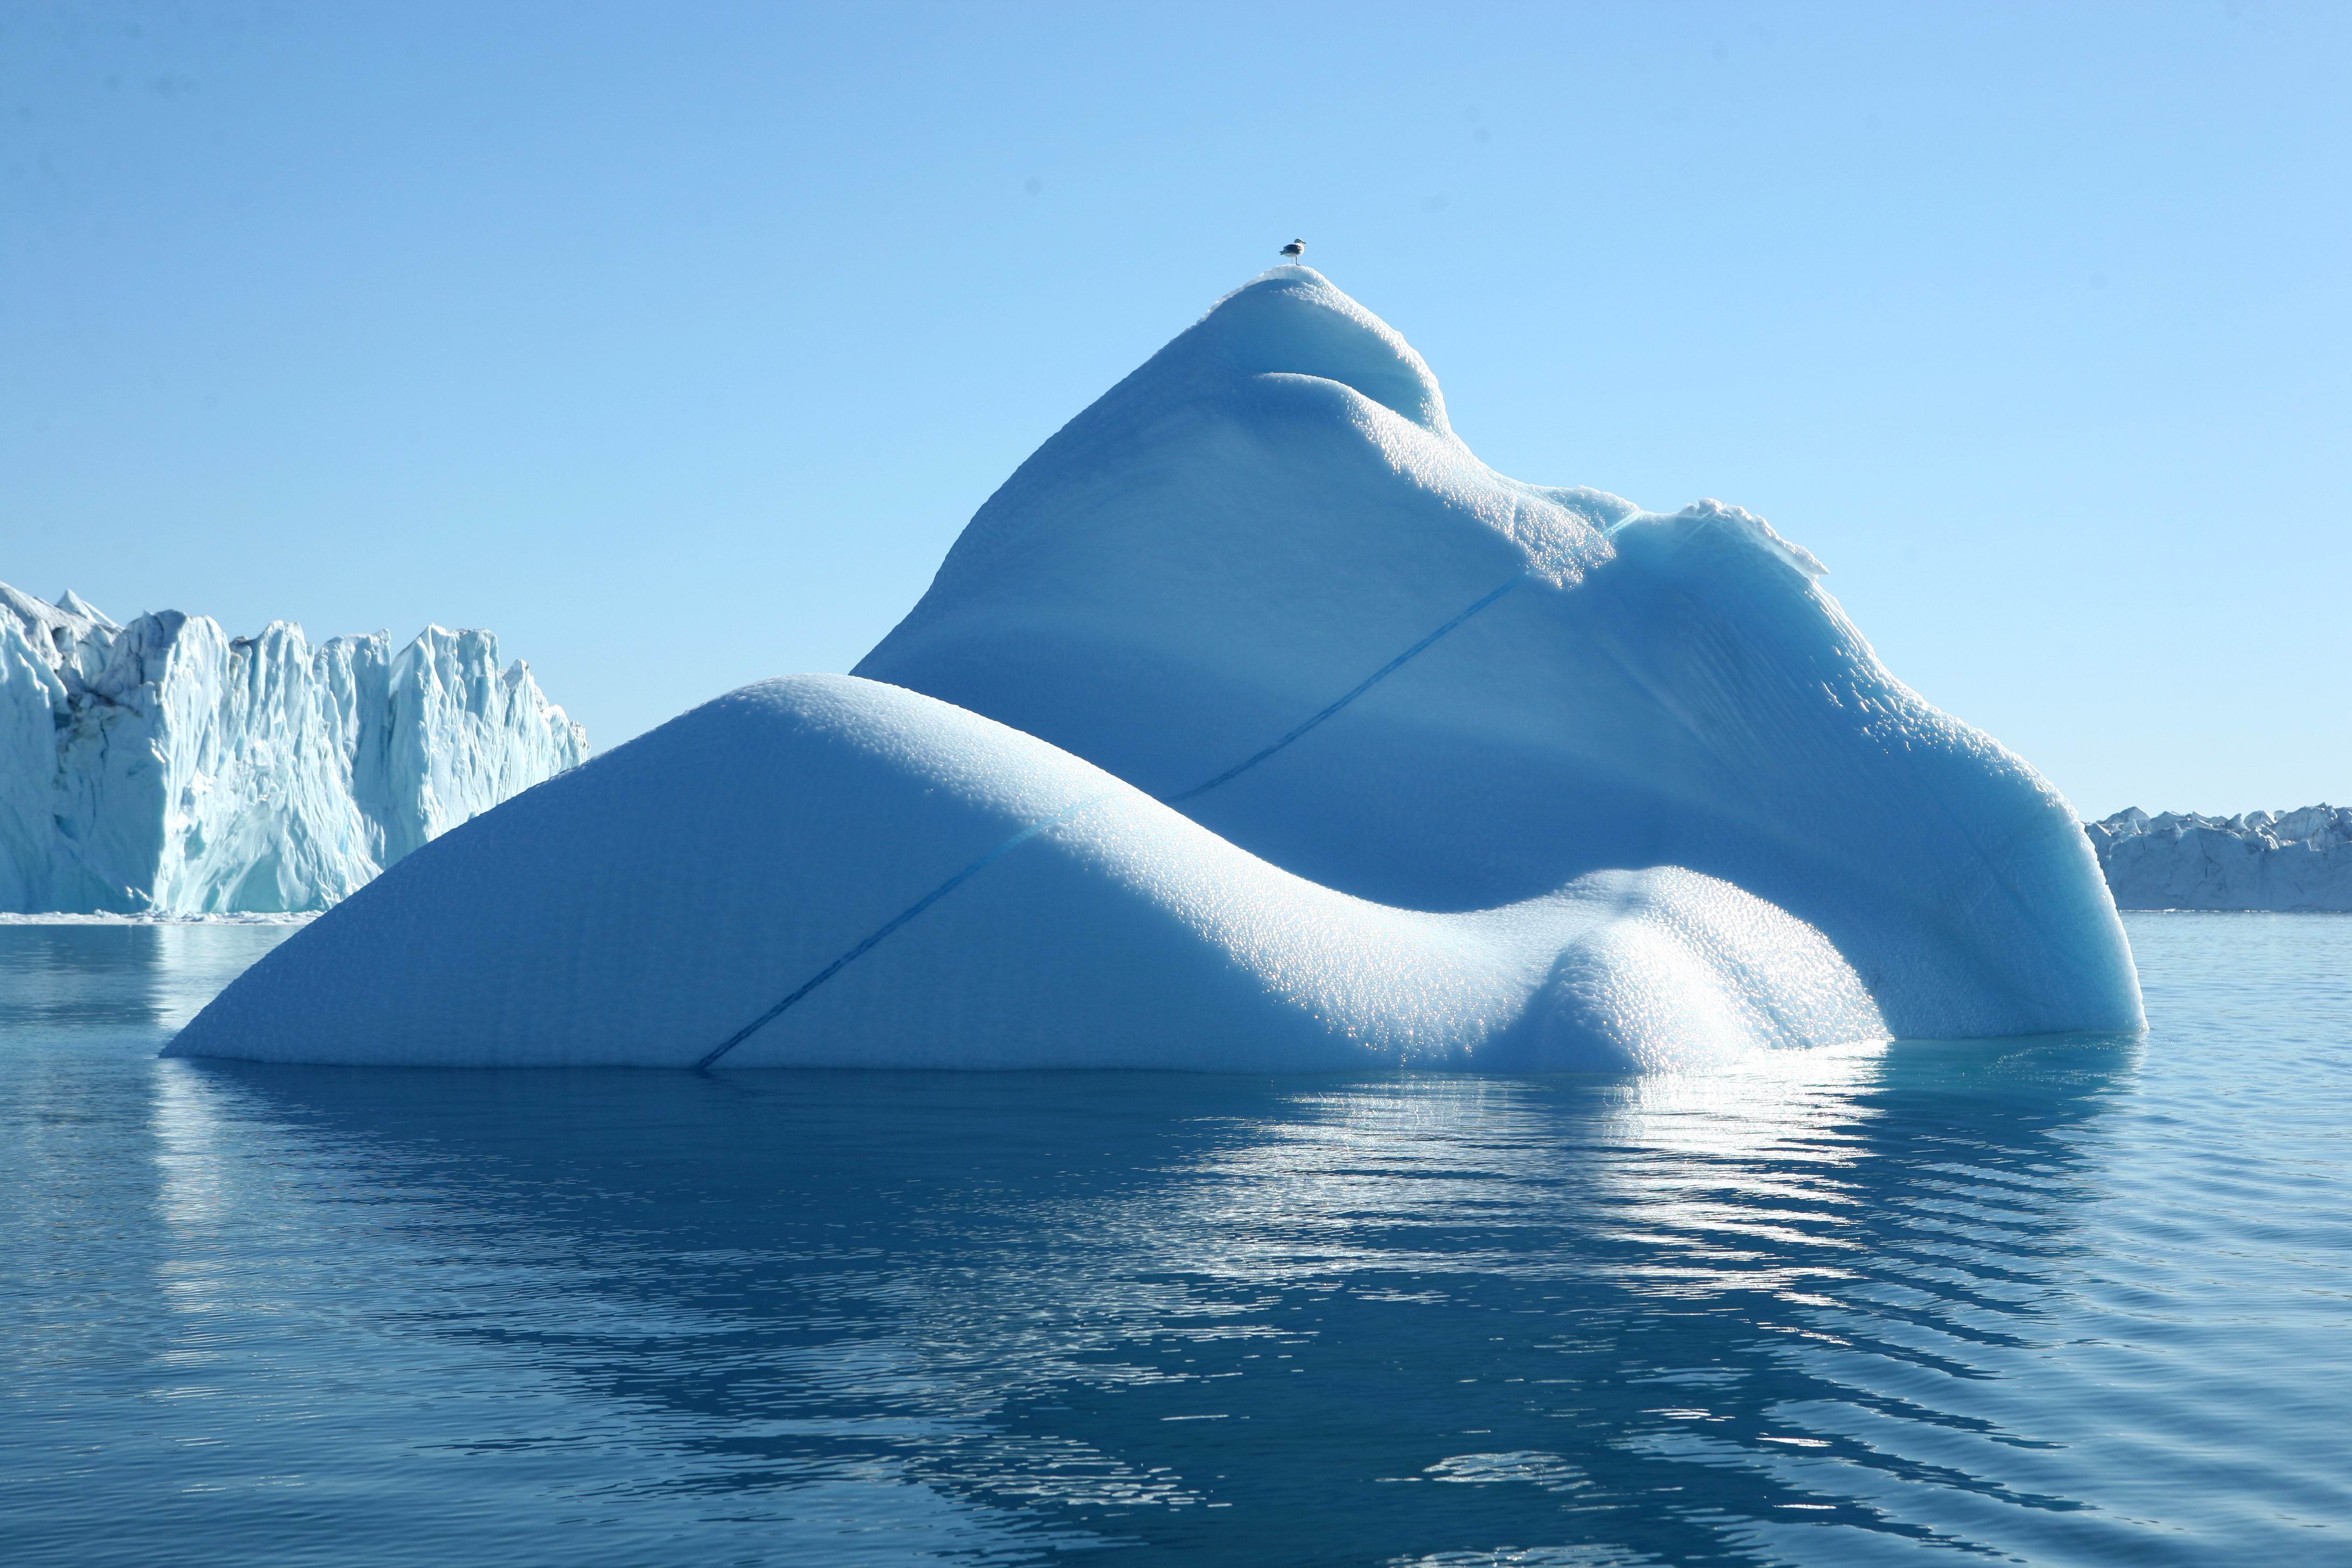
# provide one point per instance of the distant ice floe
(165, 768)
(1254, 724)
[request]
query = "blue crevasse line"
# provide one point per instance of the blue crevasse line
(1391, 668)
(895, 921)
(1067, 813)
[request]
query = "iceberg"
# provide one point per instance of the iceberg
(165, 767)
(2291, 860)
(1256, 724)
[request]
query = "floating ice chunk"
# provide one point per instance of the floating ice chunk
(1255, 724)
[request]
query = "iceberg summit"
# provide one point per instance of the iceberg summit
(1254, 724)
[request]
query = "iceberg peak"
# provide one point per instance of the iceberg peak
(73, 604)
(1292, 320)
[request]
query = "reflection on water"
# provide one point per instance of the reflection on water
(2060, 1301)
(81, 975)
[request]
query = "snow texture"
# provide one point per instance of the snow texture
(163, 766)
(2298, 860)
(1256, 724)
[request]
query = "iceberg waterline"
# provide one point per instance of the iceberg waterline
(1254, 723)
(165, 767)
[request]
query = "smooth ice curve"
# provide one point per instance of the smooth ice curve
(1256, 724)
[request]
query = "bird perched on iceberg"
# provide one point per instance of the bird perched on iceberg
(1295, 251)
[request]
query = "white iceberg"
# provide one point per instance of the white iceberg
(164, 767)
(1256, 724)
(2297, 860)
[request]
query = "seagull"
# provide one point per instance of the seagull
(1296, 249)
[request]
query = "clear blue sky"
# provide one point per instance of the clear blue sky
(676, 341)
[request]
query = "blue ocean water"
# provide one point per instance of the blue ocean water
(2075, 1300)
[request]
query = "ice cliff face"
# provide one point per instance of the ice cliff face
(165, 766)
(2180, 860)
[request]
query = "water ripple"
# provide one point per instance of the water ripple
(2066, 1300)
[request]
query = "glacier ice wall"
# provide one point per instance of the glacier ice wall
(1255, 724)
(2288, 860)
(164, 766)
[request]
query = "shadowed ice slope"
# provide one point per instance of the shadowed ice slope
(1255, 724)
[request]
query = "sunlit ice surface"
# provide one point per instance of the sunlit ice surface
(2067, 1299)
(1254, 724)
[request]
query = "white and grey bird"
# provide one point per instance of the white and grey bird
(1293, 250)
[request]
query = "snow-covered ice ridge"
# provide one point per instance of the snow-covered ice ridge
(2182, 860)
(1256, 724)
(165, 767)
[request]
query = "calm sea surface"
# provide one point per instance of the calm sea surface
(2069, 1300)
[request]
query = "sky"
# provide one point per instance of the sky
(676, 342)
